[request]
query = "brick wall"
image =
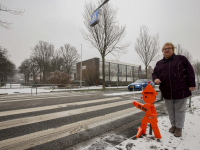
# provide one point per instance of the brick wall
(90, 69)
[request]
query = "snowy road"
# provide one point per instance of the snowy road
(61, 120)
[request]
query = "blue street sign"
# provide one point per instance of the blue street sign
(94, 19)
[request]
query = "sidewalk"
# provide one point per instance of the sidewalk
(188, 141)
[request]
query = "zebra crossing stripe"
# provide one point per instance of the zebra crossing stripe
(35, 119)
(8, 101)
(35, 109)
(41, 137)
(124, 93)
(37, 96)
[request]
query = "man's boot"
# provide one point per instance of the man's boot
(178, 132)
(172, 129)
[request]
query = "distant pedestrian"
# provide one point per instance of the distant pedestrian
(176, 77)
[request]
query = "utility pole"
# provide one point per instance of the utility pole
(81, 69)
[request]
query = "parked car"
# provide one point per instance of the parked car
(140, 84)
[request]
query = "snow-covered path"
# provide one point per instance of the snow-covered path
(190, 139)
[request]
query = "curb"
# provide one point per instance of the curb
(3, 93)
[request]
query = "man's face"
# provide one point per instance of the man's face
(168, 51)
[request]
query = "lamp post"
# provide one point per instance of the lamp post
(81, 69)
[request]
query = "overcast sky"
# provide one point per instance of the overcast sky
(59, 22)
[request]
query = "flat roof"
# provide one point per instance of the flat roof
(118, 62)
(113, 61)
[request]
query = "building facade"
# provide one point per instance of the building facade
(114, 71)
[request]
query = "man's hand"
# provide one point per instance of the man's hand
(157, 81)
(191, 88)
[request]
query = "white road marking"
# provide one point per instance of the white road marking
(41, 137)
(29, 95)
(38, 138)
(35, 119)
(37, 96)
(8, 101)
(35, 109)
(123, 93)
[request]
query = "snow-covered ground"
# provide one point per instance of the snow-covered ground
(190, 139)
(16, 88)
(22, 90)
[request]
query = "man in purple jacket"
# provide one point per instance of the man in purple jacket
(176, 77)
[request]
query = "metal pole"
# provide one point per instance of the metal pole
(161, 96)
(118, 82)
(190, 102)
(31, 89)
(36, 88)
(150, 129)
(102, 4)
(117, 74)
(81, 69)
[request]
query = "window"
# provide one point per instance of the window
(129, 71)
(106, 68)
(113, 69)
(124, 70)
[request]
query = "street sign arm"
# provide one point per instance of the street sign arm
(102, 4)
(94, 18)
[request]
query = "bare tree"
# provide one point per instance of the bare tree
(43, 53)
(7, 68)
(106, 36)
(25, 69)
(147, 47)
(58, 77)
(70, 57)
(57, 62)
(34, 68)
(6, 24)
(196, 66)
(184, 52)
(3, 52)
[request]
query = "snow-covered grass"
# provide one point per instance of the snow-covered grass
(190, 139)
(16, 88)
